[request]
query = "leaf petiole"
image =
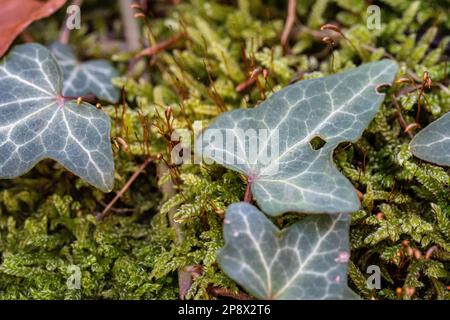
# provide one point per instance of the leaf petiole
(248, 190)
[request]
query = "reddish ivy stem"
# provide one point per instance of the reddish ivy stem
(89, 98)
(248, 190)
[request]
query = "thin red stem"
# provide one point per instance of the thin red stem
(248, 191)
(135, 175)
(290, 20)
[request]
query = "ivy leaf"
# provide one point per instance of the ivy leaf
(82, 78)
(307, 260)
(349, 294)
(36, 122)
(432, 144)
(287, 173)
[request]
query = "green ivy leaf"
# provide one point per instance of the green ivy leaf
(82, 78)
(292, 170)
(432, 144)
(349, 294)
(307, 260)
(37, 123)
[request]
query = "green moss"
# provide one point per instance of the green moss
(47, 218)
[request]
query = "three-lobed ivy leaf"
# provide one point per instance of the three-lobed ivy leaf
(82, 78)
(433, 143)
(294, 176)
(36, 122)
(306, 261)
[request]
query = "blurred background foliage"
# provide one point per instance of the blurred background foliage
(208, 57)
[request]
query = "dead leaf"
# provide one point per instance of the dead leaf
(16, 15)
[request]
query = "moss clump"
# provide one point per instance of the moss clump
(47, 218)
